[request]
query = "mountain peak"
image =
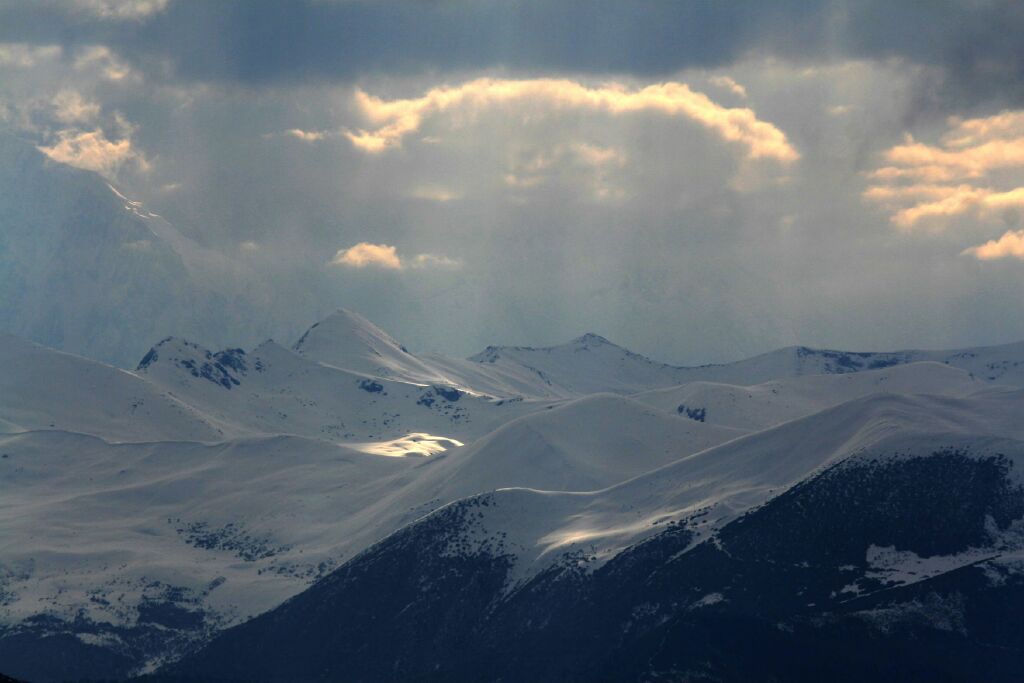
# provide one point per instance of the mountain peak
(347, 340)
(166, 345)
(176, 355)
(344, 330)
(589, 339)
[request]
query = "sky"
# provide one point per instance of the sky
(697, 181)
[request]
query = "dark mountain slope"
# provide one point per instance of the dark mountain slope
(882, 567)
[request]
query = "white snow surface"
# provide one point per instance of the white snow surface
(233, 480)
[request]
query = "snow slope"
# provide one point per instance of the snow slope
(787, 526)
(591, 363)
(348, 341)
(583, 445)
(45, 389)
(723, 482)
(585, 365)
(215, 533)
(764, 405)
(173, 538)
(1002, 364)
(145, 511)
(272, 390)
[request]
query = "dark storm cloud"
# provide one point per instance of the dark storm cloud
(253, 41)
(560, 218)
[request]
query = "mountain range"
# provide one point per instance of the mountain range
(343, 509)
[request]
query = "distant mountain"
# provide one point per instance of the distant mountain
(587, 364)
(1002, 364)
(760, 406)
(81, 267)
(591, 363)
(87, 270)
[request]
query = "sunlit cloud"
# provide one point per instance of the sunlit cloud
(957, 177)
(965, 162)
(395, 119)
(368, 255)
(385, 256)
(899, 193)
(971, 132)
(727, 83)
(1010, 245)
(92, 151)
(306, 135)
(927, 174)
(957, 201)
(933, 201)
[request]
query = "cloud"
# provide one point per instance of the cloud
(434, 261)
(595, 155)
(956, 201)
(26, 55)
(121, 9)
(367, 255)
(435, 193)
(577, 165)
(1011, 244)
(959, 161)
(940, 201)
(70, 107)
(839, 109)
(102, 58)
(92, 151)
(330, 40)
(957, 176)
(385, 256)
(898, 193)
(930, 174)
(395, 119)
(727, 83)
(970, 132)
(306, 135)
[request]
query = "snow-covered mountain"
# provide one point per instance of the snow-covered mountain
(888, 525)
(86, 269)
(347, 340)
(273, 390)
(573, 503)
(81, 267)
(591, 363)
(764, 405)
(42, 389)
